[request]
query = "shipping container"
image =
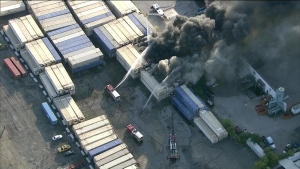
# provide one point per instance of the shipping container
(95, 138)
(89, 148)
(74, 45)
(54, 81)
(60, 78)
(12, 8)
(59, 24)
(34, 55)
(63, 34)
(113, 34)
(186, 99)
(91, 127)
(53, 14)
(13, 69)
(41, 53)
(61, 30)
(76, 109)
(112, 157)
(12, 38)
(47, 85)
(48, 7)
(90, 11)
(87, 7)
(123, 30)
(138, 24)
(133, 26)
(182, 108)
(110, 152)
(49, 11)
(86, 18)
(24, 30)
(34, 25)
(125, 164)
(134, 166)
(64, 113)
(33, 66)
(46, 51)
(17, 31)
(19, 66)
(144, 21)
(214, 124)
(88, 28)
(116, 161)
(62, 39)
(72, 3)
(78, 61)
(94, 17)
(101, 39)
(121, 8)
(81, 5)
(118, 32)
(125, 26)
(79, 49)
(213, 138)
(49, 113)
(69, 110)
(29, 27)
(195, 99)
(67, 77)
(95, 132)
(52, 50)
(87, 66)
(104, 147)
(88, 122)
(41, 4)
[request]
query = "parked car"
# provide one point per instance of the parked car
(57, 137)
(269, 142)
(69, 153)
(63, 148)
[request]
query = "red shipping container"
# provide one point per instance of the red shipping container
(19, 66)
(12, 68)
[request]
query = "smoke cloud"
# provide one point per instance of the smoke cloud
(214, 43)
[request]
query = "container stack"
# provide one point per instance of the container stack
(113, 35)
(21, 31)
(128, 56)
(122, 8)
(90, 14)
(12, 6)
(98, 140)
(69, 110)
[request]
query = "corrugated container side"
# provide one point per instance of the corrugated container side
(100, 149)
(88, 122)
(138, 24)
(61, 30)
(79, 49)
(186, 100)
(49, 113)
(64, 113)
(67, 48)
(118, 32)
(109, 152)
(33, 66)
(52, 50)
(88, 28)
(19, 66)
(104, 42)
(95, 138)
(87, 66)
(133, 26)
(12, 9)
(17, 31)
(12, 37)
(112, 157)
(34, 25)
(42, 4)
(186, 112)
(12, 68)
(95, 132)
(48, 7)
(87, 3)
(113, 34)
(98, 17)
(54, 14)
(47, 85)
(213, 138)
(117, 161)
(124, 164)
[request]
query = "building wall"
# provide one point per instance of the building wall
(267, 89)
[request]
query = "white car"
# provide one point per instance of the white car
(157, 9)
(57, 137)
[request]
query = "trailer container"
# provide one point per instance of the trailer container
(52, 50)
(61, 30)
(112, 157)
(48, 7)
(116, 161)
(118, 32)
(138, 24)
(19, 66)
(17, 31)
(79, 49)
(186, 99)
(213, 123)
(52, 21)
(113, 34)
(123, 30)
(103, 147)
(54, 81)
(95, 138)
(24, 30)
(134, 166)
(121, 8)
(64, 113)
(125, 26)
(49, 113)
(69, 109)
(88, 122)
(213, 138)
(12, 68)
(195, 99)
(100, 15)
(101, 39)
(34, 55)
(125, 164)
(12, 7)
(34, 67)
(47, 85)
(67, 77)
(76, 109)
(41, 53)
(95, 132)
(88, 28)
(110, 152)
(181, 107)
(60, 78)
(133, 26)
(84, 61)
(12, 38)
(98, 144)
(91, 127)
(46, 51)
(87, 66)
(29, 27)
(34, 25)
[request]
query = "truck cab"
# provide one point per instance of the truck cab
(134, 132)
(157, 9)
(112, 92)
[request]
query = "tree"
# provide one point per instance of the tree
(273, 159)
(261, 163)
(255, 138)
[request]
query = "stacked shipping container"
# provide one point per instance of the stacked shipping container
(90, 14)
(116, 34)
(13, 69)
(10, 7)
(121, 8)
(49, 113)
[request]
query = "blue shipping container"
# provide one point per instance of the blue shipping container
(75, 48)
(186, 100)
(95, 18)
(92, 153)
(52, 50)
(53, 14)
(109, 37)
(88, 66)
(181, 107)
(101, 39)
(49, 113)
(138, 24)
(73, 44)
(142, 19)
(64, 29)
(77, 38)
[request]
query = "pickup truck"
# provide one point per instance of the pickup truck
(134, 132)
(157, 9)
(112, 92)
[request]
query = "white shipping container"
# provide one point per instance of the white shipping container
(91, 11)
(44, 3)
(123, 30)
(34, 54)
(133, 26)
(110, 152)
(54, 81)
(95, 138)
(41, 53)
(95, 13)
(66, 76)
(60, 77)
(48, 86)
(17, 31)
(60, 25)
(118, 32)
(117, 161)
(112, 157)
(86, 53)
(61, 108)
(24, 30)
(48, 7)
(121, 8)
(91, 127)
(56, 18)
(125, 164)
(29, 27)
(34, 67)
(68, 37)
(88, 122)
(45, 12)
(12, 9)
(213, 138)
(76, 109)
(46, 50)
(86, 3)
(128, 28)
(134, 166)
(69, 109)
(192, 96)
(12, 37)
(79, 62)
(88, 28)
(95, 132)
(213, 123)
(56, 22)
(113, 34)
(70, 32)
(72, 3)
(100, 143)
(88, 7)
(34, 26)
(78, 51)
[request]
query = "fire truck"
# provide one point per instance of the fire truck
(112, 92)
(134, 132)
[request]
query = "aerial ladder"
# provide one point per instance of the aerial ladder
(173, 154)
